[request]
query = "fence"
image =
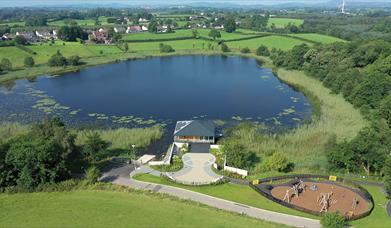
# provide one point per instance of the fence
(236, 170)
(265, 190)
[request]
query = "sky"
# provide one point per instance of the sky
(7, 3)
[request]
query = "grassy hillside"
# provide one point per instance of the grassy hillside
(282, 22)
(112, 209)
(324, 39)
(278, 42)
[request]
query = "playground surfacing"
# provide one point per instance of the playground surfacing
(342, 198)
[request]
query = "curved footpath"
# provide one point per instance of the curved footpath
(120, 176)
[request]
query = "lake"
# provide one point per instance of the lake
(159, 90)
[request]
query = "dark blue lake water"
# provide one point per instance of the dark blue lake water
(159, 90)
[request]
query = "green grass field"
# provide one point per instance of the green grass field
(155, 36)
(233, 192)
(86, 208)
(282, 22)
(177, 45)
(324, 39)
(278, 42)
(87, 22)
(224, 35)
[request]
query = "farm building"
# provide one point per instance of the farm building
(194, 131)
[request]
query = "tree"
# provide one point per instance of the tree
(29, 61)
(71, 33)
(333, 220)
(214, 34)
(126, 47)
(245, 50)
(237, 156)
(43, 155)
(152, 26)
(92, 174)
(36, 21)
(94, 147)
(277, 162)
(387, 175)
(230, 25)
(194, 33)
(384, 110)
(74, 60)
(20, 40)
(57, 60)
(6, 64)
(166, 48)
(224, 47)
(262, 51)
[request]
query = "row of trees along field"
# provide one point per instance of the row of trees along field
(46, 154)
(361, 72)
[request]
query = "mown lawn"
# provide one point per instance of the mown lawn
(155, 36)
(319, 38)
(233, 192)
(282, 22)
(87, 208)
(278, 42)
(378, 217)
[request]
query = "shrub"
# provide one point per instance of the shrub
(29, 61)
(165, 48)
(6, 64)
(224, 47)
(94, 147)
(74, 60)
(262, 51)
(57, 60)
(92, 175)
(333, 220)
(276, 162)
(245, 50)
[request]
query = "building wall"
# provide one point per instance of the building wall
(202, 139)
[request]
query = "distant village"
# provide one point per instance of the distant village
(102, 36)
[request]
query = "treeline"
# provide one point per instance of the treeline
(361, 72)
(47, 154)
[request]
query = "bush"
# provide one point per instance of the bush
(262, 51)
(165, 48)
(74, 60)
(57, 60)
(245, 50)
(29, 62)
(95, 147)
(6, 64)
(224, 47)
(276, 162)
(92, 175)
(333, 220)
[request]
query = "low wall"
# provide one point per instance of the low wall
(216, 181)
(167, 158)
(236, 170)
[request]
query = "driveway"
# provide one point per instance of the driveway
(197, 169)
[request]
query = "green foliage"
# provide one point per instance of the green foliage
(57, 60)
(224, 47)
(36, 21)
(71, 33)
(43, 155)
(95, 147)
(387, 175)
(262, 51)
(20, 40)
(29, 61)
(74, 60)
(230, 25)
(384, 110)
(277, 162)
(6, 64)
(152, 27)
(214, 34)
(245, 50)
(237, 155)
(92, 174)
(126, 47)
(255, 22)
(164, 48)
(333, 220)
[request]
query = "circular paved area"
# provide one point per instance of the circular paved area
(197, 169)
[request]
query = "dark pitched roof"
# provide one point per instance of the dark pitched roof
(194, 128)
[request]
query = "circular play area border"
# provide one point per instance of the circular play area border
(264, 187)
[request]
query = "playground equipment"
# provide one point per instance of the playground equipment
(295, 190)
(325, 201)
